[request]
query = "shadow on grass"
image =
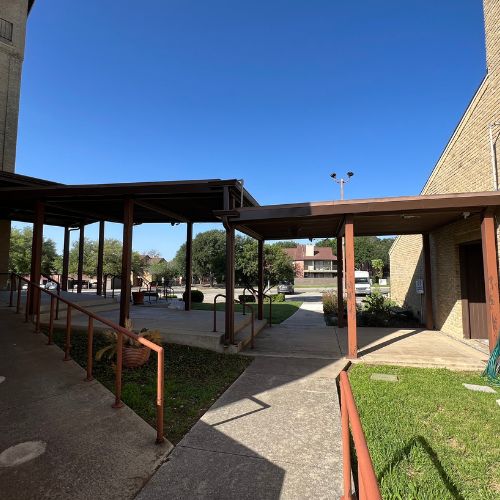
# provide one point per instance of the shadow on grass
(405, 452)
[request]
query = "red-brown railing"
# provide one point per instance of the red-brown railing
(270, 321)
(33, 296)
(368, 488)
(252, 312)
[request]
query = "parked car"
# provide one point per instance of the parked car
(285, 287)
(51, 285)
(362, 283)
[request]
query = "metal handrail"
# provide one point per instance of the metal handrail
(252, 312)
(367, 480)
(119, 330)
(243, 295)
(215, 310)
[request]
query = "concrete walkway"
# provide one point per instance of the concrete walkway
(275, 433)
(75, 445)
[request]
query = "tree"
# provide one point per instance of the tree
(366, 249)
(162, 269)
(20, 252)
(378, 268)
(112, 258)
(209, 255)
(278, 265)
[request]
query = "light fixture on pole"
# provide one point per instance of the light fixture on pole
(342, 181)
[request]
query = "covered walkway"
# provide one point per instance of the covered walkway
(305, 335)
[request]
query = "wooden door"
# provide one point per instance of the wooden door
(473, 291)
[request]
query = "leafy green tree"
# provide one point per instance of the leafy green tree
(278, 265)
(209, 255)
(378, 268)
(162, 269)
(20, 252)
(112, 258)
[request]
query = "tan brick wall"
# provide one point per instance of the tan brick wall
(11, 60)
(464, 166)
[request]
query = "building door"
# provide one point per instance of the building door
(473, 292)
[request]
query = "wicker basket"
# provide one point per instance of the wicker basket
(133, 357)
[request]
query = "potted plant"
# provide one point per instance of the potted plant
(134, 354)
(138, 298)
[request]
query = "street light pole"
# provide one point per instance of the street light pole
(341, 181)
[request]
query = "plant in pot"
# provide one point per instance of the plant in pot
(134, 354)
(138, 298)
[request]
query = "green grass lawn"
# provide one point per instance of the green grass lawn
(194, 379)
(280, 310)
(430, 437)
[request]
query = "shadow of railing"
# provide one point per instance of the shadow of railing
(405, 453)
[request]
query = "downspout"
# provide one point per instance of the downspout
(493, 156)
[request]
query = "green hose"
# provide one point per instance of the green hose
(492, 371)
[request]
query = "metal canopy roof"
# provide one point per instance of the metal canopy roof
(372, 217)
(72, 205)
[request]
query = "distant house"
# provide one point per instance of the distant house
(313, 265)
(146, 261)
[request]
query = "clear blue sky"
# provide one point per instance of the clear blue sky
(278, 92)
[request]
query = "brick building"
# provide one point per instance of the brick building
(13, 15)
(469, 163)
(313, 265)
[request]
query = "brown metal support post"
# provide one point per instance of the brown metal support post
(340, 282)
(189, 265)
(260, 297)
(429, 311)
(490, 265)
(81, 246)
(128, 221)
(352, 349)
(229, 323)
(100, 258)
(36, 254)
(65, 261)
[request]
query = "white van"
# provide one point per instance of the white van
(362, 283)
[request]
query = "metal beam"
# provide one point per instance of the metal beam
(189, 265)
(36, 253)
(429, 310)
(229, 315)
(65, 260)
(352, 342)
(260, 297)
(161, 211)
(340, 283)
(100, 258)
(128, 223)
(490, 265)
(81, 247)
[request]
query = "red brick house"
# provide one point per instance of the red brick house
(313, 265)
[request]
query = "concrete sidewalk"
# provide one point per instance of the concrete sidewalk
(275, 433)
(76, 445)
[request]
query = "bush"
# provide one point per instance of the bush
(277, 297)
(246, 298)
(196, 296)
(331, 303)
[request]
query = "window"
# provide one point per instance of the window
(5, 30)
(364, 281)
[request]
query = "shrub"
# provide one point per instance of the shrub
(196, 296)
(277, 297)
(331, 303)
(246, 298)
